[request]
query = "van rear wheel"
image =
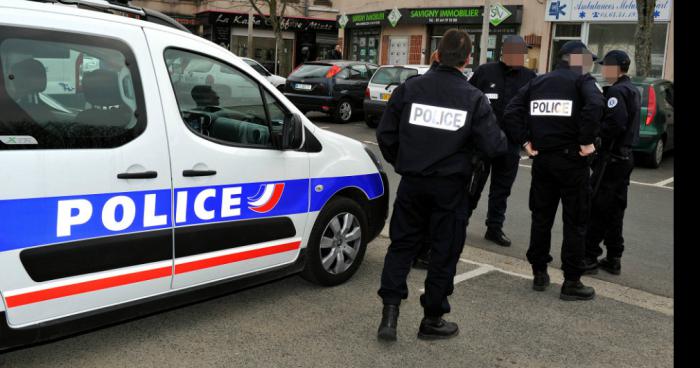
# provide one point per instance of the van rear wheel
(337, 244)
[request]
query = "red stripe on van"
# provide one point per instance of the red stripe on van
(131, 278)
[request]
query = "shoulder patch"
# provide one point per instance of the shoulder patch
(612, 102)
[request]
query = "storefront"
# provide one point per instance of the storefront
(606, 25)
(409, 35)
(303, 38)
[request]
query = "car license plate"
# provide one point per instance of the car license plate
(305, 87)
(384, 96)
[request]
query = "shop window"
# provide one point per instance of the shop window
(605, 37)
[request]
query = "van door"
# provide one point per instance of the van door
(241, 204)
(85, 190)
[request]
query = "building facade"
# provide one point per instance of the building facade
(310, 29)
(385, 33)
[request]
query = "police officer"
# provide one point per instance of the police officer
(424, 133)
(500, 81)
(619, 131)
(556, 117)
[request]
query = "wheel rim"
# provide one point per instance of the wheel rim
(340, 243)
(345, 111)
(659, 154)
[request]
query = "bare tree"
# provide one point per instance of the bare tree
(642, 37)
(278, 9)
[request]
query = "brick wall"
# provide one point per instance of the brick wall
(384, 56)
(414, 51)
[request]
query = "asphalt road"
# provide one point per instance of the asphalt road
(648, 228)
(291, 323)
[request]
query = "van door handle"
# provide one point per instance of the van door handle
(191, 173)
(138, 175)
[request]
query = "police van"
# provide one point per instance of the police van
(128, 187)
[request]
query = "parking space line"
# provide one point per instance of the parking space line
(665, 182)
(370, 142)
(651, 185)
(470, 274)
(324, 127)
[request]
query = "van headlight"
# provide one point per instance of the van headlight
(375, 159)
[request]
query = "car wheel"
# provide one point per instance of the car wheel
(343, 112)
(656, 156)
(371, 121)
(337, 244)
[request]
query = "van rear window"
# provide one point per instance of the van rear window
(62, 91)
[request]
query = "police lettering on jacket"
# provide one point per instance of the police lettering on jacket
(433, 121)
(556, 111)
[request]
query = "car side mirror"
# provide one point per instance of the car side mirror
(292, 137)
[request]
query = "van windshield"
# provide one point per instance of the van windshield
(392, 75)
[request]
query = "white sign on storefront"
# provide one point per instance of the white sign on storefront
(601, 11)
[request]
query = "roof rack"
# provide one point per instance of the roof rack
(122, 6)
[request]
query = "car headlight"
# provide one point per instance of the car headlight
(375, 159)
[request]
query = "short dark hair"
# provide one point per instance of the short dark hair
(454, 47)
(625, 68)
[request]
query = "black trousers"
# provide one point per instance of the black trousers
(608, 208)
(566, 178)
(436, 206)
(503, 170)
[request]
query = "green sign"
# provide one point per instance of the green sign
(445, 13)
(498, 14)
(367, 17)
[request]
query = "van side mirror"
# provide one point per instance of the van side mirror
(292, 137)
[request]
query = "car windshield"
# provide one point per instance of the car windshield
(311, 71)
(392, 75)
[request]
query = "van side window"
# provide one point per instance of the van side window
(63, 91)
(220, 102)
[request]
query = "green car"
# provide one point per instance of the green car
(656, 119)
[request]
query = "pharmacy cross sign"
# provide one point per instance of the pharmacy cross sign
(498, 14)
(343, 21)
(394, 16)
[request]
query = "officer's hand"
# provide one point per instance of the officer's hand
(530, 151)
(587, 150)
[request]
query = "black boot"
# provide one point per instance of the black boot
(575, 290)
(435, 328)
(387, 328)
(590, 266)
(497, 236)
(541, 281)
(611, 264)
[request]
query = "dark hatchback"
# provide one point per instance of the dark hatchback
(335, 87)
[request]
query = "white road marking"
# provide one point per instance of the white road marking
(665, 182)
(484, 269)
(524, 157)
(528, 166)
(651, 185)
(370, 142)
(324, 127)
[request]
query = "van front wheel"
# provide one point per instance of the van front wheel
(337, 243)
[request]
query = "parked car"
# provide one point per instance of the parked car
(382, 84)
(173, 174)
(276, 80)
(335, 87)
(656, 120)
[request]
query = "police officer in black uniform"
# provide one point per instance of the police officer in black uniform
(424, 134)
(500, 81)
(619, 131)
(556, 118)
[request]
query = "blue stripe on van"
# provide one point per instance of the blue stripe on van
(35, 221)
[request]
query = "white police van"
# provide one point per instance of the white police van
(137, 189)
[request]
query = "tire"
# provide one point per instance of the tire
(654, 158)
(336, 270)
(371, 121)
(343, 113)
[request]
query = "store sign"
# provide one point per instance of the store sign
(343, 21)
(394, 16)
(442, 15)
(602, 11)
(498, 14)
(372, 19)
(287, 24)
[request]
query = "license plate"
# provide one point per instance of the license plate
(384, 96)
(305, 87)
